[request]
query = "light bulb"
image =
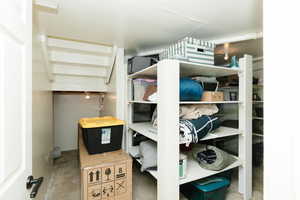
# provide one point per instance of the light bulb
(226, 57)
(87, 96)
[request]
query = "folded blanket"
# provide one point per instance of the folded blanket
(196, 111)
(192, 131)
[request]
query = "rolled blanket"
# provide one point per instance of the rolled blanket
(191, 131)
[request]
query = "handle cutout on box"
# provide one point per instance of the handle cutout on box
(200, 50)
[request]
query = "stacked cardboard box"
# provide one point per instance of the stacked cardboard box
(105, 176)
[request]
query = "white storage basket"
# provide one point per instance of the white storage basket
(191, 50)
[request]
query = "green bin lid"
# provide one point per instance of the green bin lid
(209, 185)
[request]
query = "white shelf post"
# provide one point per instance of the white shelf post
(168, 126)
(128, 142)
(245, 125)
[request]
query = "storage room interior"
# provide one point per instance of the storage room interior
(120, 68)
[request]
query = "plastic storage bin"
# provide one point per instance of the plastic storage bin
(102, 134)
(207, 189)
(139, 87)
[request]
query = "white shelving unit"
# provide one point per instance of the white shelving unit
(146, 129)
(168, 73)
(191, 102)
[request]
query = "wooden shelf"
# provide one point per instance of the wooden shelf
(194, 171)
(257, 138)
(147, 72)
(192, 69)
(258, 134)
(142, 102)
(146, 129)
(191, 102)
(236, 87)
(210, 102)
(189, 69)
(221, 132)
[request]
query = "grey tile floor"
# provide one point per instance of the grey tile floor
(65, 182)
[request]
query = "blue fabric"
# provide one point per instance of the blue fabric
(190, 90)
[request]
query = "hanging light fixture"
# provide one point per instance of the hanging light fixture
(87, 96)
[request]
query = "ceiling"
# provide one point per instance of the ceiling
(144, 24)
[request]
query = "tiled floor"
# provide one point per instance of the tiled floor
(65, 182)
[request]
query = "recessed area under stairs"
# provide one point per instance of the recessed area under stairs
(65, 182)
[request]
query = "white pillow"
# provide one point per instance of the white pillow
(148, 153)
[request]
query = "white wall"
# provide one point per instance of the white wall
(42, 117)
(68, 109)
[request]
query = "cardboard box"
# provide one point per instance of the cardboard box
(105, 176)
(212, 96)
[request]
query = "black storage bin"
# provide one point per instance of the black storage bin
(138, 63)
(102, 134)
(142, 112)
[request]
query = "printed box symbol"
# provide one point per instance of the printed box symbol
(94, 175)
(108, 174)
(121, 171)
(108, 190)
(94, 192)
(121, 186)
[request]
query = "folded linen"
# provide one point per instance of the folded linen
(196, 111)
